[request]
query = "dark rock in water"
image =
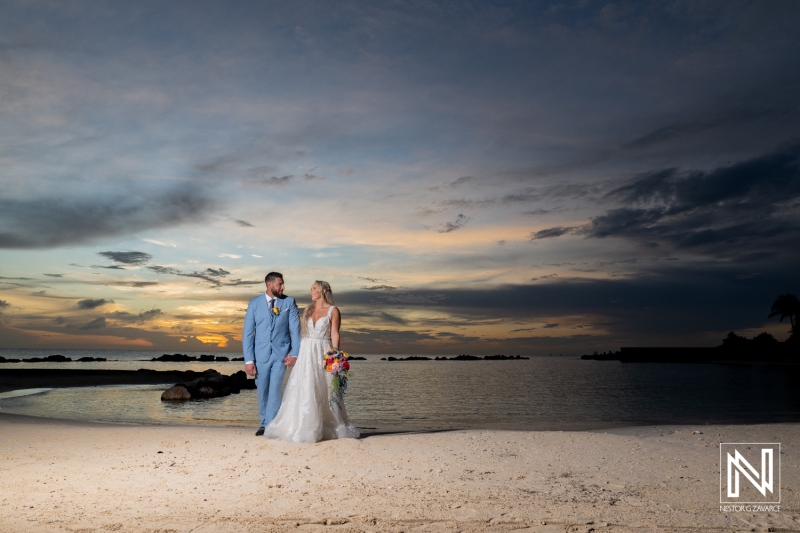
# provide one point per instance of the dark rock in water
(357, 358)
(182, 358)
(176, 393)
(409, 358)
(91, 359)
(464, 357)
(212, 384)
(49, 359)
(211, 392)
(238, 359)
(4, 360)
(175, 358)
(503, 357)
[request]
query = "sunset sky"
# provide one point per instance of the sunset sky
(471, 177)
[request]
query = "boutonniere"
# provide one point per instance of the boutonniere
(276, 310)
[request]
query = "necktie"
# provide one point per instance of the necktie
(272, 304)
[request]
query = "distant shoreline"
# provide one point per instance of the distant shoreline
(34, 378)
(695, 355)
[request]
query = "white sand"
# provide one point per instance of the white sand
(85, 478)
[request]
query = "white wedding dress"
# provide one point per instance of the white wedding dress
(306, 413)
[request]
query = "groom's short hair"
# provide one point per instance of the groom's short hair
(272, 276)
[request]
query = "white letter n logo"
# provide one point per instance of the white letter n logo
(737, 464)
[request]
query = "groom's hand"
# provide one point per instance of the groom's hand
(250, 369)
(289, 361)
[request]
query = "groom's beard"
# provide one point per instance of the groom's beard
(276, 292)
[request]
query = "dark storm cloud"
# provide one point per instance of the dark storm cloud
(137, 284)
(165, 270)
(93, 304)
(458, 223)
(678, 304)
(127, 258)
(210, 275)
(148, 315)
(244, 224)
(144, 316)
(551, 232)
(52, 222)
(768, 179)
(97, 323)
(742, 210)
(213, 276)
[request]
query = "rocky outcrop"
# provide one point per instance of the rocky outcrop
(49, 359)
(211, 384)
(176, 393)
(58, 358)
(183, 358)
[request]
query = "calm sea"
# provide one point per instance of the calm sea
(547, 393)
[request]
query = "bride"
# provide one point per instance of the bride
(306, 413)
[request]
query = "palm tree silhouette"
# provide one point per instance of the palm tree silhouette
(787, 305)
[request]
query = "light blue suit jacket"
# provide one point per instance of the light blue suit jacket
(267, 335)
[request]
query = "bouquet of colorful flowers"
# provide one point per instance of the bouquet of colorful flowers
(336, 363)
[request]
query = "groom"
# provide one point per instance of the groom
(271, 335)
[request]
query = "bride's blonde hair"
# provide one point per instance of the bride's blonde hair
(324, 289)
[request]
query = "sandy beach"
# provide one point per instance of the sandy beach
(68, 477)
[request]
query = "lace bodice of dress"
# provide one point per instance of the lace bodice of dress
(322, 328)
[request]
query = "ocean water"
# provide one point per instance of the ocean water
(546, 393)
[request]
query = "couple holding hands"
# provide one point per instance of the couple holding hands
(273, 332)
